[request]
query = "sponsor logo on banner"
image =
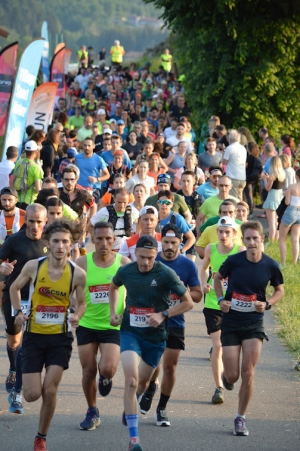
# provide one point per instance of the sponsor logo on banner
(41, 106)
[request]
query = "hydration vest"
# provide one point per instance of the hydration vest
(113, 219)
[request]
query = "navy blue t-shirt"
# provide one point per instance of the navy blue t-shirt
(188, 274)
(247, 281)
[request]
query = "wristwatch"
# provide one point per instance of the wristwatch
(17, 311)
(268, 305)
(165, 313)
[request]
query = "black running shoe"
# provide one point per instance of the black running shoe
(161, 418)
(10, 381)
(145, 401)
(227, 384)
(104, 386)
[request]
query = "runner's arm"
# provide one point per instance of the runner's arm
(218, 285)
(28, 273)
(277, 295)
(196, 294)
(186, 304)
(190, 240)
(113, 301)
(79, 291)
(204, 273)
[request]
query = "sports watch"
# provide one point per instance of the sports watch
(165, 314)
(268, 305)
(17, 311)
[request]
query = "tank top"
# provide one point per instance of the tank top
(97, 313)
(216, 260)
(295, 201)
(49, 301)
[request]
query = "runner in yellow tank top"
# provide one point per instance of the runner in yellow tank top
(48, 339)
(215, 254)
(95, 331)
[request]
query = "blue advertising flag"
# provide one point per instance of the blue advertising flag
(22, 92)
(45, 56)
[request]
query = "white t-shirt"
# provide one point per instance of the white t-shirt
(236, 155)
(135, 216)
(173, 141)
(135, 180)
(102, 216)
(6, 168)
(169, 132)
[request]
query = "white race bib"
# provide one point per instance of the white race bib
(99, 294)
(225, 282)
(174, 300)
(138, 316)
(50, 314)
(243, 302)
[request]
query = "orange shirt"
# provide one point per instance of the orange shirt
(10, 219)
(154, 176)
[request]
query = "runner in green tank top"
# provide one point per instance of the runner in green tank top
(95, 331)
(215, 254)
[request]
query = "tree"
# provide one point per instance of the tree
(241, 60)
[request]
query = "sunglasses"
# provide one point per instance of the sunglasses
(164, 202)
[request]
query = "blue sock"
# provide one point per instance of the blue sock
(18, 384)
(12, 356)
(93, 409)
(132, 423)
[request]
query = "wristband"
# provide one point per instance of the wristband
(221, 298)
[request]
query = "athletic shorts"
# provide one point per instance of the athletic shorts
(39, 350)
(149, 352)
(86, 336)
(9, 320)
(234, 334)
(213, 319)
(176, 338)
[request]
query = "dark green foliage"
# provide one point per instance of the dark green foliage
(241, 59)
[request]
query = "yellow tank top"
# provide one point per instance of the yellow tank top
(117, 54)
(49, 301)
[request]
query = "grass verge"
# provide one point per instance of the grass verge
(287, 311)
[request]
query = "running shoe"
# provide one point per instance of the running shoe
(210, 353)
(227, 384)
(161, 418)
(10, 381)
(145, 401)
(124, 421)
(104, 386)
(240, 427)
(218, 397)
(91, 421)
(15, 402)
(134, 445)
(39, 444)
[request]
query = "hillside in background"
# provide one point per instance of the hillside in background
(94, 22)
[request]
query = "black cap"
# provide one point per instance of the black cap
(147, 242)
(171, 230)
(164, 178)
(9, 190)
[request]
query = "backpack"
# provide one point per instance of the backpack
(197, 201)
(21, 177)
(172, 221)
(113, 218)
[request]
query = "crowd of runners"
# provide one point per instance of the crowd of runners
(121, 167)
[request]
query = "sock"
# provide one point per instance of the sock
(12, 356)
(163, 401)
(152, 386)
(18, 384)
(93, 409)
(39, 435)
(132, 423)
(242, 416)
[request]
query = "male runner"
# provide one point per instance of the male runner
(144, 330)
(17, 250)
(187, 272)
(95, 331)
(48, 338)
(215, 254)
(243, 309)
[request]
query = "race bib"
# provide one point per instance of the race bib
(99, 294)
(225, 282)
(138, 316)
(243, 302)
(174, 300)
(50, 314)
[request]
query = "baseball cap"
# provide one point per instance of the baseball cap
(9, 190)
(72, 152)
(164, 178)
(147, 242)
(214, 169)
(120, 122)
(227, 221)
(101, 111)
(148, 210)
(31, 146)
(161, 134)
(118, 152)
(113, 121)
(171, 230)
(108, 131)
(149, 81)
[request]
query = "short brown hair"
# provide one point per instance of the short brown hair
(253, 225)
(165, 193)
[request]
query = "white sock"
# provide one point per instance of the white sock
(242, 416)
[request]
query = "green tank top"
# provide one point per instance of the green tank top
(216, 261)
(97, 313)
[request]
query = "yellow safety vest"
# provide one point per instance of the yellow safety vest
(117, 54)
(166, 64)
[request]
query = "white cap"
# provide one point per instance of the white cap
(149, 81)
(31, 146)
(148, 210)
(107, 130)
(227, 221)
(101, 111)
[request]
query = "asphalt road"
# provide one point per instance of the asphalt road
(196, 424)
